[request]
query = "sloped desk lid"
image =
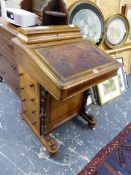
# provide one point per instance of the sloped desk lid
(72, 64)
(69, 62)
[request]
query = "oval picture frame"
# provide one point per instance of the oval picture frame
(93, 15)
(116, 31)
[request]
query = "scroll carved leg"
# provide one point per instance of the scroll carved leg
(88, 117)
(50, 144)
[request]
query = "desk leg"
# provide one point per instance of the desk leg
(88, 117)
(50, 143)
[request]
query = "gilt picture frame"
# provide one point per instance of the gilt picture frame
(92, 99)
(89, 100)
(89, 18)
(122, 76)
(116, 31)
(127, 13)
(108, 90)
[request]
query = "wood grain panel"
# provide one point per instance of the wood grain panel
(70, 2)
(109, 8)
(30, 100)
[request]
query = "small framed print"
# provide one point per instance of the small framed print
(117, 31)
(108, 90)
(89, 100)
(127, 13)
(92, 98)
(122, 77)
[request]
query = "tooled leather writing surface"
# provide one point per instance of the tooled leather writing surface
(73, 58)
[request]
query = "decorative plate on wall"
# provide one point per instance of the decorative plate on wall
(88, 17)
(117, 31)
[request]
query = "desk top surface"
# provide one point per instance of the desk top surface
(73, 59)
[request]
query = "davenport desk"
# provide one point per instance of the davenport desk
(51, 70)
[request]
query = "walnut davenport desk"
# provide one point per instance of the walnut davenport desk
(51, 70)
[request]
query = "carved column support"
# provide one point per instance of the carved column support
(49, 142)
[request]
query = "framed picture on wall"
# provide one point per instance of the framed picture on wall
(89, 100)
(108, 90)
(127, 13)
(89, 18)
(92, 97)
(117, 31)
(122, 77)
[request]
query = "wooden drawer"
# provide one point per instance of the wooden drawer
(30, 100)
(30, 112)
(7, 46)
(30, 109)
(7, 33)
(28, 90)
(31, 97)
(28, 85)
(29, 105)
(10, 75)
(25, 77)
(12, 65)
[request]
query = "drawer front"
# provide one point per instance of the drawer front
(28, 85)
(7, 46)
(30, 100)
(9, 74)
(7, 33)
(11, 64)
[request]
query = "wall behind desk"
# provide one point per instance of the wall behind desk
(108, 7)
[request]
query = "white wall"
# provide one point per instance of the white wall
(9, 3)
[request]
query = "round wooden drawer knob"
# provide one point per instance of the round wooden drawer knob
(23, 100)
(31, 85)
(22, 88)
(21, 74)
(32, 99)
(24, 112)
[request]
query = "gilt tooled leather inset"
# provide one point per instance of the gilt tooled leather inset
(72, 59)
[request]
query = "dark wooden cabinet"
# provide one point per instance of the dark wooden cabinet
(8, 66)
(27, 5)
(54, 13)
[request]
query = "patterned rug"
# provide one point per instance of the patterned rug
(113, 159)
